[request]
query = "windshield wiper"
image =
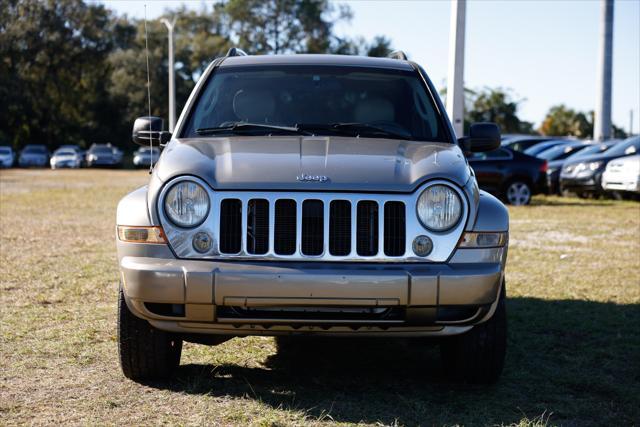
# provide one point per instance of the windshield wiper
(365, 128)
(351, 129)
(245, 126)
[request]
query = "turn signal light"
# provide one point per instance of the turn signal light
(483, 240)
(133, 234)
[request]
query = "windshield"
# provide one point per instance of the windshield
(65, 152)
(560, 152)
(35, 149)
(323, 100)
(5, 150)
(102, 150)
(593, 149)
(625, 148)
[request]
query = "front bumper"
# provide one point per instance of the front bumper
(260, 298)
(577, 185)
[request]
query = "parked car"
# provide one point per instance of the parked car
(555, 156)
(543, 146)
(622, 175)
(34, 155)
(103, 155)
(322, 195)
(583, 174)
(117, 154)
(511, 175)
(7, 157)
(66, 158)
(522, 142)
(144, 156)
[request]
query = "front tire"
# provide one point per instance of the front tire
(477, 356)
(146, 353)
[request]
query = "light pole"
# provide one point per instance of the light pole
(172, 89)
(602, 125)
(455, 76)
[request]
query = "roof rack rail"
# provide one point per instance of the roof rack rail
(234, 51)
(397, 54)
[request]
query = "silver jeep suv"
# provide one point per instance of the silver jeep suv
(312, 195)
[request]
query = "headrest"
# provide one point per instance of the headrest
(254, 105)
(374, 109)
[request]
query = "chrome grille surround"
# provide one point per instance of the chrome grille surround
(444, 243)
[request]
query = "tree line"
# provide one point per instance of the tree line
(75, 73)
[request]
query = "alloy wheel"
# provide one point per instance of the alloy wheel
(518, 193)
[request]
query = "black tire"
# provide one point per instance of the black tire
(477, 357)
(146, 353)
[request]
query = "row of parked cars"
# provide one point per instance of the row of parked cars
(528, 165)
(72, 156)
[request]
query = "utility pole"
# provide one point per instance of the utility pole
(172, 89)
(631, 122)
(602, 125)
(455, 76)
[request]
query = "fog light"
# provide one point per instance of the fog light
(422, 246)
(201, 242)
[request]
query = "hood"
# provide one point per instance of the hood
(603, 157)
(312, 163)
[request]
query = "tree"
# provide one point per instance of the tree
(497, 106)
(51, 80)
(283, 26)
(563, 121)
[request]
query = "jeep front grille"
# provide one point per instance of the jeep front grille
(311, 226)
(311, 238)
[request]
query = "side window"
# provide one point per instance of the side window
(500, 153)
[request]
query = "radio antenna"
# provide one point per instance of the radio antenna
(146, 51)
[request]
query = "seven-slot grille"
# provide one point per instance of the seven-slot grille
(312, 227)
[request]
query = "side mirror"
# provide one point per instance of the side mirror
(150, 129)
(482, 137)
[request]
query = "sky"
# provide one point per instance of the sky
(544, 51)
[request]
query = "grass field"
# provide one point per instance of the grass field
(573, 281)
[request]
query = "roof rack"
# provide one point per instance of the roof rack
(397, 54)
(234, 51)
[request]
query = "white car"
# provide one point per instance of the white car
(66, 158)
(622, 174)
(7, 157)
(144, 156)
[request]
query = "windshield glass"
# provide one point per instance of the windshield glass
(39, 149)
(5, 150)
(593, 149)
(625, 148)
(324, 100)
(559, 152)
(65, 152)
(102, 150)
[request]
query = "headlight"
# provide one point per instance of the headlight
(186, 204)
(439, 208)
(587, 169)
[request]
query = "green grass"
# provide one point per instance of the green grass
(573, 280)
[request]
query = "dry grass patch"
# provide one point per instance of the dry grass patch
(574, 342)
